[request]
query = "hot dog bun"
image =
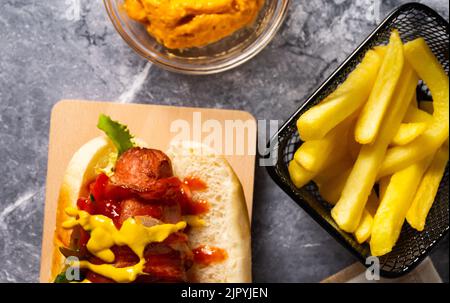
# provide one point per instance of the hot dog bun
(227, 222)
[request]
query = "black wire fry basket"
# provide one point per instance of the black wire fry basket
(412, 20)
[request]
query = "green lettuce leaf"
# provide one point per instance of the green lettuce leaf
(61, 278)
(117, 133)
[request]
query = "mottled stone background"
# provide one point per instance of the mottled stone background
(57, 49)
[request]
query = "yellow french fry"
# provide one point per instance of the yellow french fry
(336, 164)
(331, 189)
(362, 234)
(391, 214)
(408, 132)
(343, 102)
(331, 180)
(427, 106)
(318, 154)
(429, 69)
(380, 50)
(415, 123)
(383, 90)
(414, 115)
(383, 184)
(336, 169)
(299, 175)
(348, 211)
(308, 156)
(353, 147)
(364, 230)
(428, 188)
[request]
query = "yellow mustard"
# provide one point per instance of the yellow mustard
(194, 221)
(105, 235)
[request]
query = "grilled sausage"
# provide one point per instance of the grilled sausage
(139, 168)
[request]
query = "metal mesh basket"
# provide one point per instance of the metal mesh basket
(412, 21)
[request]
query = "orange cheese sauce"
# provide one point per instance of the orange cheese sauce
(180, 24)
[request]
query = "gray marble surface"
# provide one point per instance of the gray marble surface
(55, 49)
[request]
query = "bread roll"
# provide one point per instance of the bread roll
(227, 221)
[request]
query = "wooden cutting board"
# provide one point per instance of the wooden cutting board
(424, 273)
(73, 123)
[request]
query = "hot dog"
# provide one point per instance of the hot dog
(128, 213)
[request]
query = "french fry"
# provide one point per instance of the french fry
(408, 132)
(343, 102)
(331, 189)
(308, 157)
(331, 181)
(428, 188)
(380, 50)
(349, 209)
(415, 114)
(374, 111)
(364, 230)
(299, 175)
(317, 154)
(415, 123)
(391, 214)
(427, 106)
(353, 147)
(429, 69)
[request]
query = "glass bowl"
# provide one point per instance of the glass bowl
(226, 54)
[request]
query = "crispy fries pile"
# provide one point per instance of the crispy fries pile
(375, 152)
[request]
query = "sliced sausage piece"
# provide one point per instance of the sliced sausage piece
(133, 207)
(96, 278)
(124, 256)
(166, 267)
(139, 168)
(171, 214)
